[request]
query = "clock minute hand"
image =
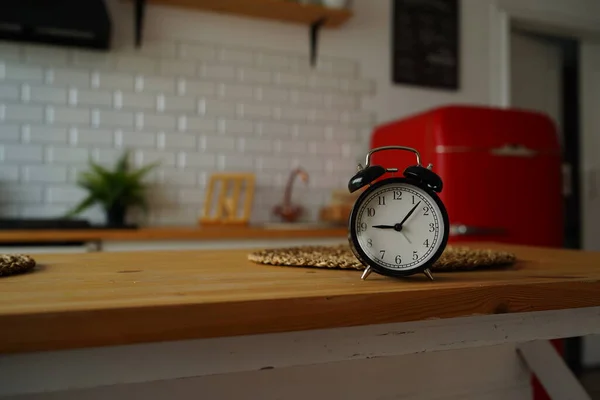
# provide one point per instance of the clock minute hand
(409, 214)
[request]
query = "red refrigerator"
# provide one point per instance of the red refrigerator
(501, 170)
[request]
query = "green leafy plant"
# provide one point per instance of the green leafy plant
(115, 191)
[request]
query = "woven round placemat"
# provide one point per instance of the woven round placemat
(454, 258)
(12, 264)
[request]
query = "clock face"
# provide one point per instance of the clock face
(399, 226)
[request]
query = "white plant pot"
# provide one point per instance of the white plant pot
(335, 3)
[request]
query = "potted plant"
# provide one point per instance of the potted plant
(115, 191)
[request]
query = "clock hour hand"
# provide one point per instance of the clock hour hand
(384, 226)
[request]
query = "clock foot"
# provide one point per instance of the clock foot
(427, 273)
(366, 273)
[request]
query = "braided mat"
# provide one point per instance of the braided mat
(454, 258)
(12, 264)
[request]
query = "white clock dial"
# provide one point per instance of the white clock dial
(390, 245)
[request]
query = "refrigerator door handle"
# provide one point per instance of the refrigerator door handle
(467, 230)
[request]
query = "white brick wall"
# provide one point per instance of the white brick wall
(197, 108)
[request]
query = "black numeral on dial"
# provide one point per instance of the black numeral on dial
(431, 227)
(370, 242)
(382, 200)
(398, 260)
(362, 227)
(426, 243)
(371, 212)
(382, 252)
(415, 255)
(425, 210)
(397, 195)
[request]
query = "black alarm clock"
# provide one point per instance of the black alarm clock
(398, 226)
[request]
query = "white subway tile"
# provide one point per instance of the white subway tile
(138, 65)
(45, 55)
(180, 103)
(44, 210)
(288, 113)
(191, 196)
(311, 164)
(234, 162)
(291, 79)
(10, 91)
(234, 126)
(321, 181)
(21, 72)
(307, 98)
(237, 56)
(9, 133)
(217, 108)
(360, 86)
(300, 64)
(107, 118)
(273, 60)
(273, 129)
(93, 59)
(9, 51)
(65, 194)
(95, 137)
(69, 77)
(235, 91)
(197, 87)
(343, 101)
(322, 115)
(177, 176)
(135, 139)
(9, 173)
(254, 110)
(44, 134)
(309, 132)
(341, 67)
(177, 68)
(115, 81)
(94, 98)
(216, 142)
(106, 157)
(352, 150)
(324, 82)
(251, 75)
(68, 115)
(44, 173)
(159, 121)
(179, 216)
(361, 118)
(156, 84)
(176, 140)
(23, 113)
(45, 94)
(197, 51)
(341, 133)
(157, 48)
(253, 145)
(198, 124)
(272, 95)
(290, 146)
(217, 71)
(196, 160)
(272, 163)
(21, 194)
(138, 101)
(164, 158)
(67, 155)
(326, 148)
(21, 153)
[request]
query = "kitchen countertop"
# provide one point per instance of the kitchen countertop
(273, 231)
(97, 299)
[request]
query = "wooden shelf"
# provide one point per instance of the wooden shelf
(281, 10)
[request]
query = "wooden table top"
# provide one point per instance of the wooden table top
(168, 233)
(94, 299)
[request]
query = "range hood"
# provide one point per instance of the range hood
(76, 23)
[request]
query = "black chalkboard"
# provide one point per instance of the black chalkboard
(425, 43)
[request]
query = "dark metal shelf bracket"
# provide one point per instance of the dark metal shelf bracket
(315, 27)
(140, 7)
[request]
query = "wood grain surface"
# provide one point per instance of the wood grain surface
(168, 233)
(95, 299)
(279, 10)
